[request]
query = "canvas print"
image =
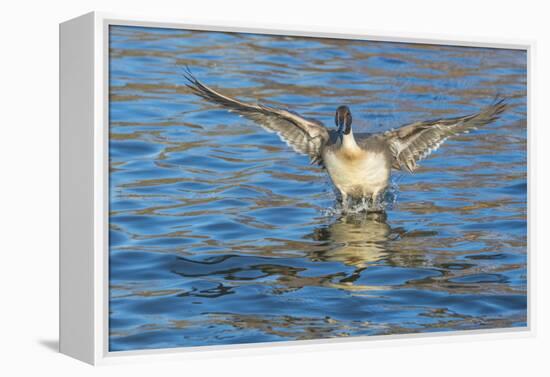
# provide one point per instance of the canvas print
(267, 188)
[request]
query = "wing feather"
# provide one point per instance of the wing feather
(304, 136)
(414, 142)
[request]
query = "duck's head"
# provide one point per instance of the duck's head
(343, 120)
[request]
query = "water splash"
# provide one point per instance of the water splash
(365, 205)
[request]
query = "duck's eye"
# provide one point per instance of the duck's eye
(348, 119)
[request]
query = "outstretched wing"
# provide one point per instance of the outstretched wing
(414, 142)
(305, 136)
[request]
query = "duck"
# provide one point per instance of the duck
(358, 164)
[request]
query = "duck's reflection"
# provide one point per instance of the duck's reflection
(352, 242)
(354, 239)
(341, 250)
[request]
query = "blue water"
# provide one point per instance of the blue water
(220, 234)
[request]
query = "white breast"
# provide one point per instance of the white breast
(360, 174)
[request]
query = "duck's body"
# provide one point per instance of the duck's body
(358, 170)
(359, 165)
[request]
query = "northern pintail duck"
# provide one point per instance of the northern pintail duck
(359, 165)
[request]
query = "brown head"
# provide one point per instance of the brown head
(343, 120)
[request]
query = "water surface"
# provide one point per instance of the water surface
(220, 234)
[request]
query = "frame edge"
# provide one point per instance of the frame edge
(76, 193)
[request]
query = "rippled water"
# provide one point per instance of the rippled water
(220, 234)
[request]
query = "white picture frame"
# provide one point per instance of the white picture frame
(84, 192)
